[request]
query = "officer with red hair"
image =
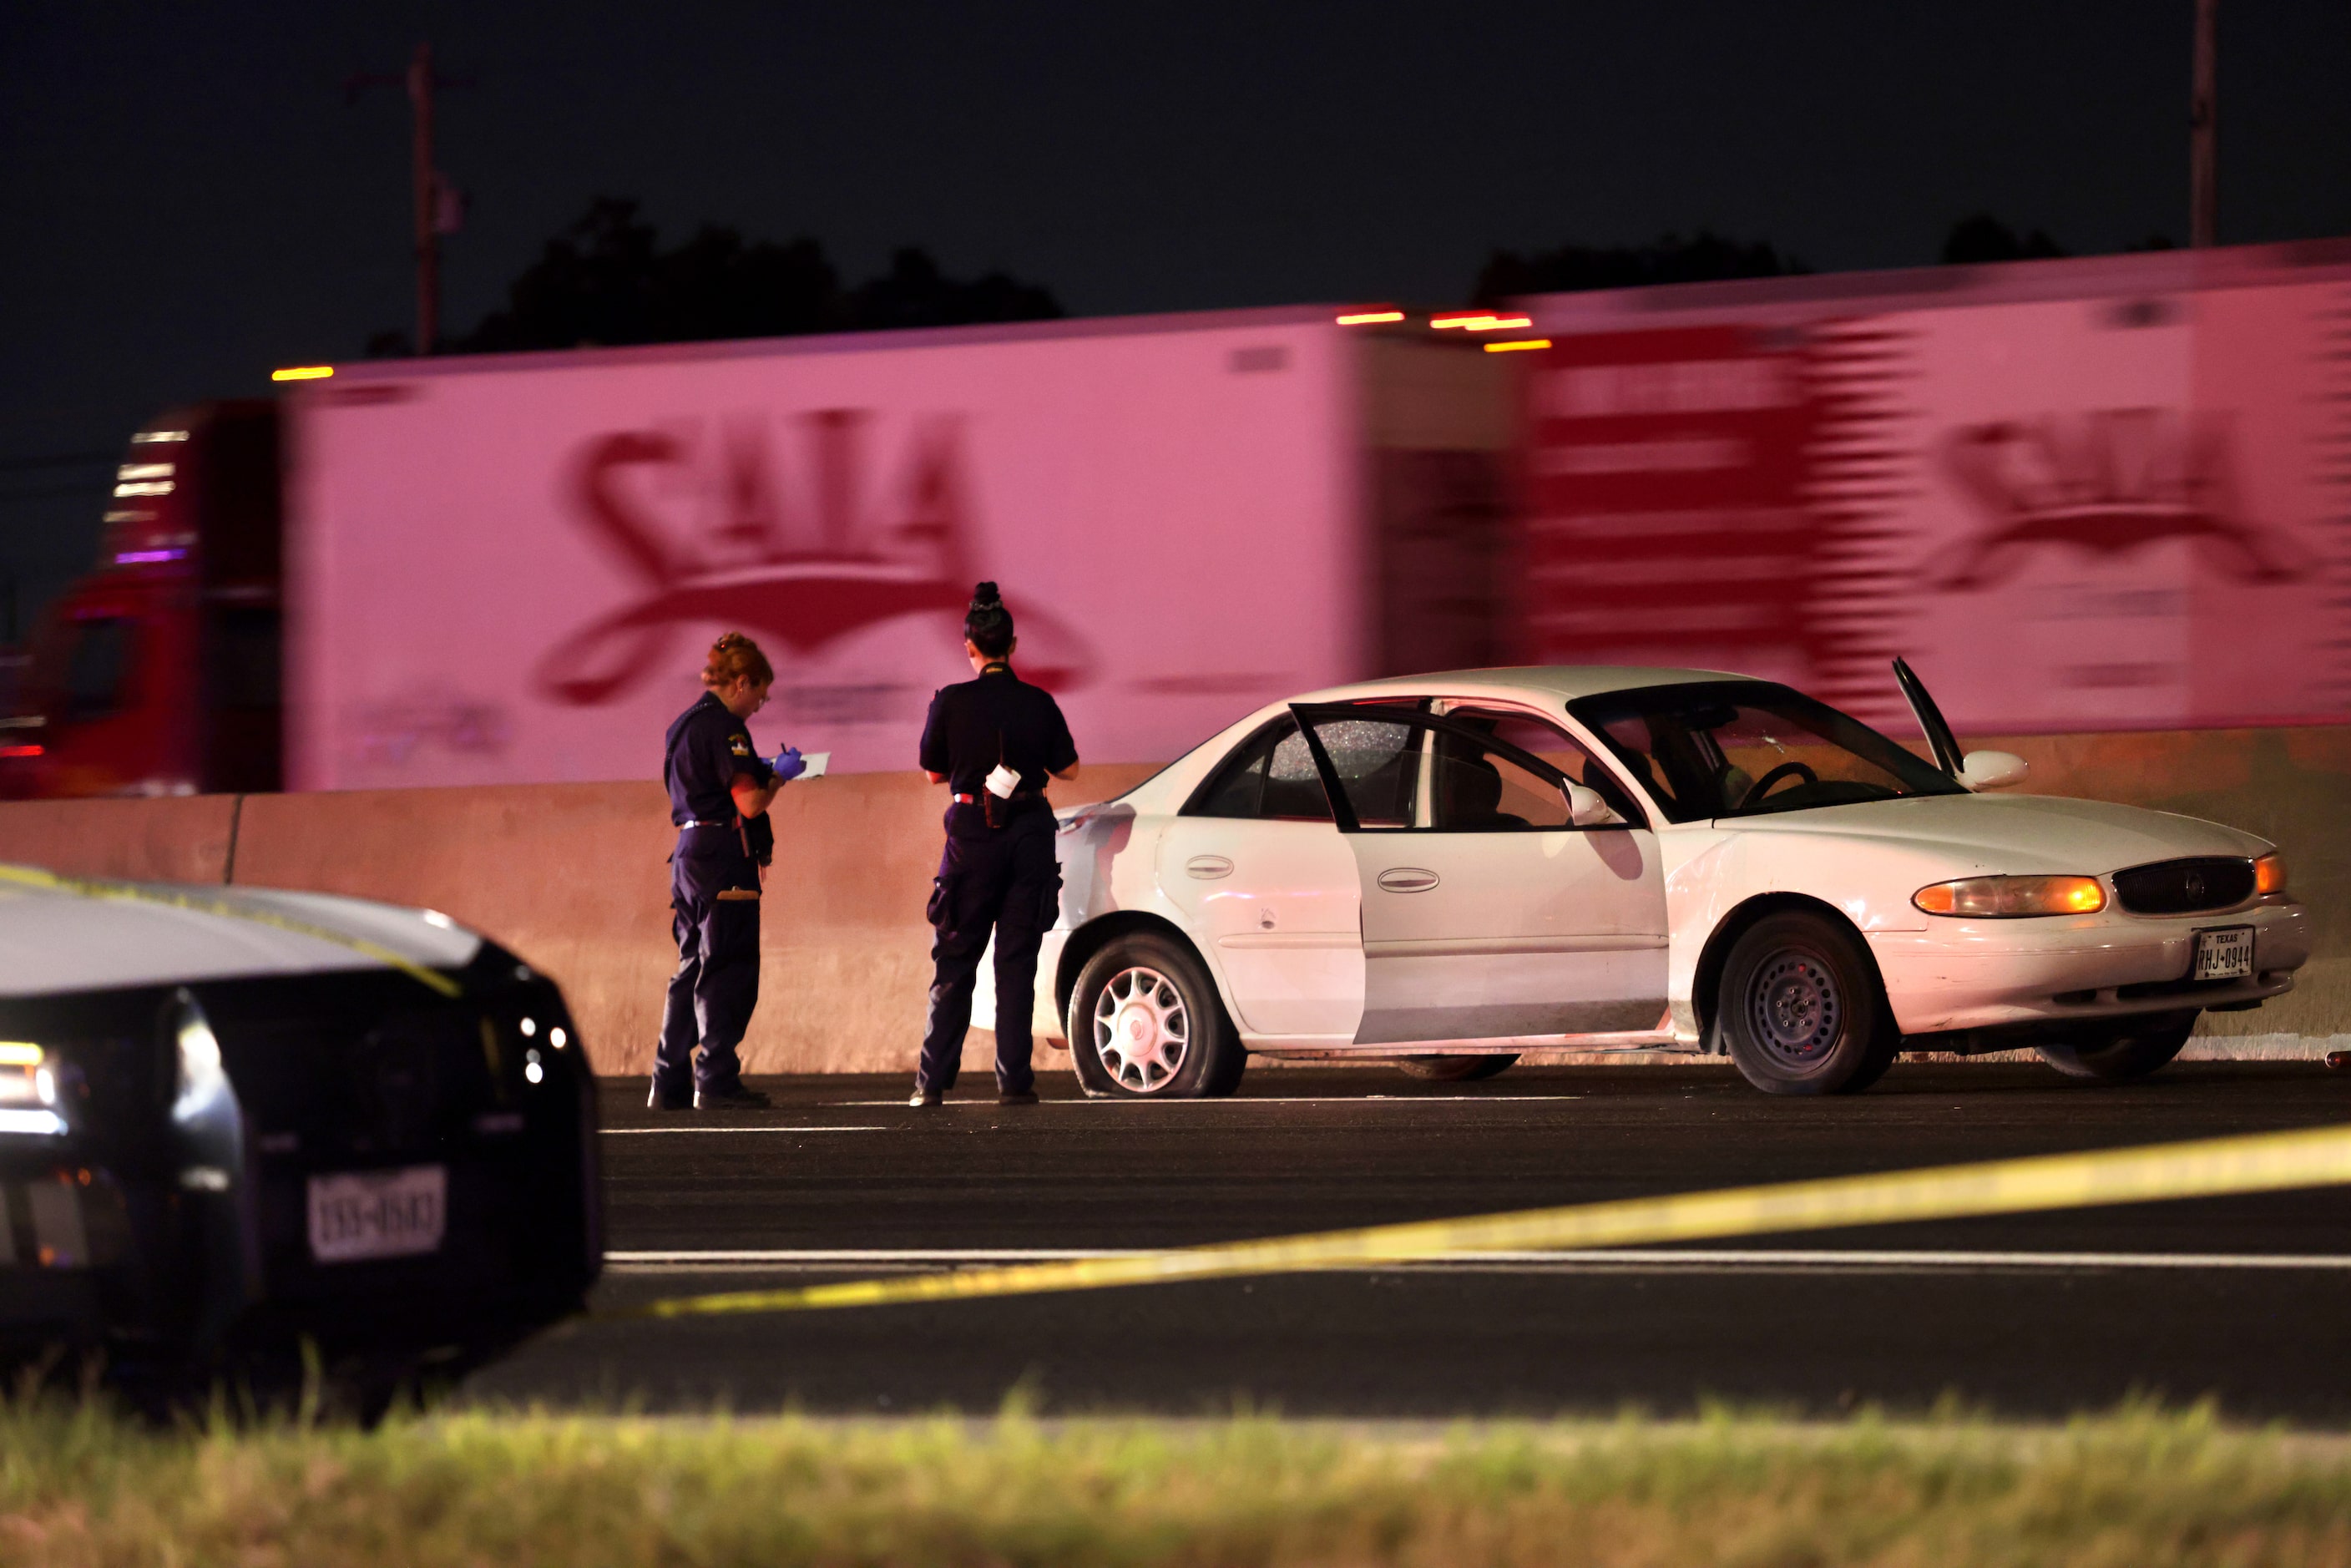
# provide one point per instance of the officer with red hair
(720, 791)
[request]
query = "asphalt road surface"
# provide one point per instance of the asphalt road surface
(2247, 1299)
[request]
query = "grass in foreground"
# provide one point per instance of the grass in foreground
(2139, 1487)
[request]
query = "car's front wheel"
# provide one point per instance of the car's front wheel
(1457, 1069)
(2117, 1056)
(1800, 1007)
(1145, 1021)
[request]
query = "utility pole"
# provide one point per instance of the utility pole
(2203, 112)
(437, 207)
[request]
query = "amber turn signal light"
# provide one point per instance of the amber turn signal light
(2012, 897)
(2269, 873)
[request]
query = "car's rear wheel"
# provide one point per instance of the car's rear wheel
(1145, 1022)
(1457, 1069)
(2117, 1056)
(1800, 1007)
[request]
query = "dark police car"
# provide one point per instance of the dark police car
(244, 1132)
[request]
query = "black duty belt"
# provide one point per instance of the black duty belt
(962, 800)
(728, 823)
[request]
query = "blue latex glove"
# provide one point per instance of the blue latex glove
(789, 763)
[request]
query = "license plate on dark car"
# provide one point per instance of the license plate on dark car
(378, 1214)
(2224, 955)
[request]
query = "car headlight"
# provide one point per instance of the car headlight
(203, 1081)
(2012, 897)
(2269, 873)
(29, 1090)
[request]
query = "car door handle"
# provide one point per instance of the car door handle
(1207, 868)
(1408, 879)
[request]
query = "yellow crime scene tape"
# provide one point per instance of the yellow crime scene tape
(197, 903)
(2150, 1174)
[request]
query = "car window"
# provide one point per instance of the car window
(1730, 748)
(1475, 787)
(1377, 765)
(1556, 747)
(1272, 775)
(97, 668)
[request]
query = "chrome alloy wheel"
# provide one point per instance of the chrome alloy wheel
(1142, 1029)
(1794, 1008)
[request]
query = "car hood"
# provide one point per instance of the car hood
(63, 935)
(2018, 832)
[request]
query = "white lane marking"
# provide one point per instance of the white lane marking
(637, 1132)
(1248, 1100)
(1535, 1262)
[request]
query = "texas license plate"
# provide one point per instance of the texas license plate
(378, 1214)
(2224, 955)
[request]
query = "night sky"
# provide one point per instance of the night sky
(189, 201)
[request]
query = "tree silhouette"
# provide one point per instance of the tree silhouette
(914, 293)
(1982, 237)
(1704, 258)
(607, 279)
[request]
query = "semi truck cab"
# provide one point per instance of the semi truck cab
(158, 673)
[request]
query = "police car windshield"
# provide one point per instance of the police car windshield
(1743, 748)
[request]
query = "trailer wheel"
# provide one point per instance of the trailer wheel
(1457, 1069)
(2119, 1056)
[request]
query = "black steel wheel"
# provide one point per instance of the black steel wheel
(1800, 1007)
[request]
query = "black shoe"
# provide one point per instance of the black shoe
(1018, 1097)
(735, 1098)
(657, 1101)
(926, 1097)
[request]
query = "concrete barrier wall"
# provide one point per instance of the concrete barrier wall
(575, 877)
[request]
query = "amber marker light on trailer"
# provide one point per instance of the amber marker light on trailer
(1462, 319)
(1518, 343)
(1370, 317)
(302, 374)
(2012, 897)
(1498, 324)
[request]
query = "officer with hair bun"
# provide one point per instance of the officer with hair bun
(992, 741)
(720, 791)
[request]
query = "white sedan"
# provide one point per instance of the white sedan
(1445, 871)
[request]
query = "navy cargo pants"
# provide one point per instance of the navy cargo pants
(1004, 881)
(713, 892)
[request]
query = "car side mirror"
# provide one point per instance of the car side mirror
(1992, 769)
(1585, 808)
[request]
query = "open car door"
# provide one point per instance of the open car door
(1930, 720)
(1487, 913)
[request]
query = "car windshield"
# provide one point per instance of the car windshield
(1740, 749)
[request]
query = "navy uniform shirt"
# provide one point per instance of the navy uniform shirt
(707, 746)
(997, 717)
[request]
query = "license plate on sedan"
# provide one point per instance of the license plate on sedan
(378, 1214)
(2224, 955)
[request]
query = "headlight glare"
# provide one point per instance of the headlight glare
(2012, 897)
(26, 1078)
(2269, 873)
(203, 1082)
